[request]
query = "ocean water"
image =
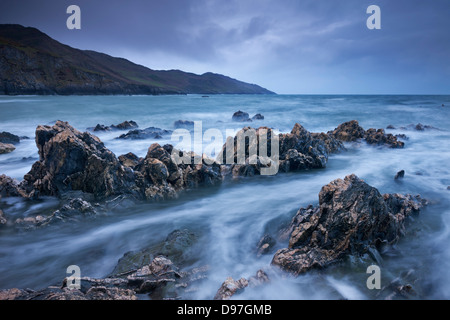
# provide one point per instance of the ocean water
(231, 218)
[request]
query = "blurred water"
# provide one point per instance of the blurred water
(233, 217)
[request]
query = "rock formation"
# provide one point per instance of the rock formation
(351, 218)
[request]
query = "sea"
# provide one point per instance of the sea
(231, 218)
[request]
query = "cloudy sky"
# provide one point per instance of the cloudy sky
(287, 46)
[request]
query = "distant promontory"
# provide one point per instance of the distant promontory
(32, 63)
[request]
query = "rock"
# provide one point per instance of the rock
(71, 160)
(241, 116)
(348, 132)
(148, 133)
(6, 148)
(265, 245)
(332, 145)
(351, 131)
(130, 160)
(3, 220)
(9, 138)
(400, 175)
(184, 124)
(448, 188)
(126, 125)
(231, 287)
(351, 218)
(10, 187)
(390, 127)
(176, 247)
(402, 136)
(258, 116)
(419, 127)
(378, 137)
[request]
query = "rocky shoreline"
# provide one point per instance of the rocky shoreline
(351, 218)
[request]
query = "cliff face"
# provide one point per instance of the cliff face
(33, 63)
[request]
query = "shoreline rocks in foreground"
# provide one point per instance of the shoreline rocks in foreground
(351, 218)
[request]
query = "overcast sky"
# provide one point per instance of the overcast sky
(287, 46)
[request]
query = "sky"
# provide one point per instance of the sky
(286, 46)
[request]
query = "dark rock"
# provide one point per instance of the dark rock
(419, 127)
(3, 219)
(101, 127)
(400, 175)
(126, 125)
(241, 116)
(176, 247)
(448, 188)
(148, 133)
(130, 160)
(71, 160)
(6, 148)
(402, 136)
(231, 287)
(390, 127)
(351, 131)
(9, 138)
(332, 145)
(265, 245)
(378, 137)
(184, 124)
(258, 116)
(351, 218)
(10, 187)
(348, 132)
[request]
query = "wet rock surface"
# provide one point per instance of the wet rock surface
(6, 148)
(351, 218)
(351, 131)
(9, 138)
(126, 125)
(147, 133)
(231, 287)
(241, 116)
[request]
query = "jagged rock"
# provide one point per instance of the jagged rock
(9, 138)
(241, 116)
(126, 125)
(258, 116)
(175, 247)
(184, 124)
(348, 131)
(148, 133)
(390, 127)
(351, 131)
(230, 287)
(265, 245)
(130, 160)
(331, 144)
(6, 148)
(71, 160)
(351, 218)
(379, 137)
(10, 187)
(402, 136)
(400, 175)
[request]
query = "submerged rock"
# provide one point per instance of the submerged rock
(351, 218)
(6, 148)
(9, 138)
(184, 124)
(147, 133)
(231, 287)
(241, 116)
(126, 125)
(3, 219)
(400, 175)
(258, 116)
